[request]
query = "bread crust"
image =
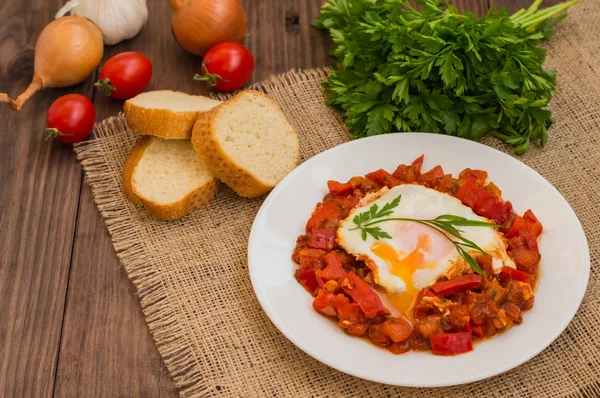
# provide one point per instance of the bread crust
(165, 212)
(160, 122)
(221, 165)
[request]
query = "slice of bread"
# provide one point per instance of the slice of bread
(247, 143)
(167, 178)
(164, 113)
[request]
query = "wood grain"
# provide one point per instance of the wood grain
(40, 185)
(106, 349)
(71, 324)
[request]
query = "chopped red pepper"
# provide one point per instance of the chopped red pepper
(457, 285)
(517, 228)
(451, 343)
(384, 178)
(533, 224)
(474, 330)
(307, 278)
(322, 303)
(508, 272)
(430, 179)
(333, 267)
(326, 212)
(483, 203)
(322, 239)
(340, 188)
(476, 176)
(352, 318)
(397, 329)
(414, 171)
(364, 295)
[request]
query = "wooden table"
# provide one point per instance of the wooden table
(70, 324)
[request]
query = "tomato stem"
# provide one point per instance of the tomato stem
(105, 87)
(53, 132)
(206, 76)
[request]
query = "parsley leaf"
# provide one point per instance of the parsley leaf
(433, 69)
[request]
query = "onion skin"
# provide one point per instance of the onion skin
(68, 50)
(199, 25)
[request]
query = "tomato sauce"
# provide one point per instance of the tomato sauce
(446, 317)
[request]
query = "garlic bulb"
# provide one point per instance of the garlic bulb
(117, 19)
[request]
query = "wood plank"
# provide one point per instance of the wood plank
(40, 185)
(106, 347)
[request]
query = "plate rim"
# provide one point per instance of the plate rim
(469, 379)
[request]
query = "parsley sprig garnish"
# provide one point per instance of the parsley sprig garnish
(431, 68)
(446, 224)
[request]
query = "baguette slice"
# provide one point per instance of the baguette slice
(164, 113)
(167, 178)
(247, 143)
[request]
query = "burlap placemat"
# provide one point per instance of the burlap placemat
(192, 277)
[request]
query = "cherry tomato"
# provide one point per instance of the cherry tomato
(125, 75)
(70, 118)
(227, 66)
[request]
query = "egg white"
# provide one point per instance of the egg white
(418, 202)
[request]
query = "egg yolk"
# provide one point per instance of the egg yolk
(404, 268)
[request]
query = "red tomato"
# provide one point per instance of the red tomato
(70, 118)
(125, 75)
(364, 295)
(227, 66)
(333, 268)
(457, 285)
(511, 273)
(451, 343)
(340, 188)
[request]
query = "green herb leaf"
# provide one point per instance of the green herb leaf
(429, 68)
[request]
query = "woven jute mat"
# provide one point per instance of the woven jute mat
(192, 276)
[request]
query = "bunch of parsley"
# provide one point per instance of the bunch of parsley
(433, 69)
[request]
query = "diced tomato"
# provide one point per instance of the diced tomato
(483, 203)
(333, 268)
(493, 189)
(451, 343)
(328, 211)
(339, 301)
(384, 178)
(430, 179)
(400, 172)
(533, 224)
(508, 272)
(476, 176)
(346, 204)
(474, 330)
(526, 259)
(322, 239)
(414, 171)
(457, 285)
(517, 228)
(397, 329)
(311, 258)
(340, 188)
(364, 295)
(512, 311)
(352, 318)
(418, 163)
(322, 303)
(308, 279)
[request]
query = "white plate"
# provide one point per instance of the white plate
(282, 218)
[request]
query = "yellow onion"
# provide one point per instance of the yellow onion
(198, 25)
(68, 51)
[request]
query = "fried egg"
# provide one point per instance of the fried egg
(416, 255)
